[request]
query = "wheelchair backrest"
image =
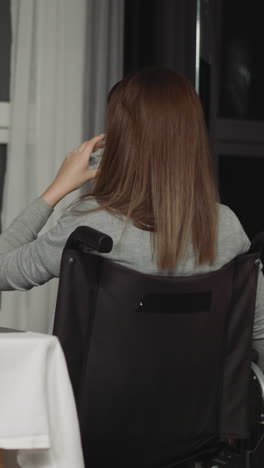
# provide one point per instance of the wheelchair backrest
(164, 360)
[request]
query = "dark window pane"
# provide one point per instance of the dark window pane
(241, 93)
(241, 188)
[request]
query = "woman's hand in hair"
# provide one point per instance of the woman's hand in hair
(74, 171)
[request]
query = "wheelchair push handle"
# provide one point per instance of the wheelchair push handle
(85, 238)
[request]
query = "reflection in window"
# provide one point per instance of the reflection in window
(242, 67)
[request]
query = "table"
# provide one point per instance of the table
(38, 414)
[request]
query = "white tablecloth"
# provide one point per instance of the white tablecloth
(37, 409)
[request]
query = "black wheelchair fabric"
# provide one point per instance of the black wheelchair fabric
(160, 366)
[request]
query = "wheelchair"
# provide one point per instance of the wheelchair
(162, 368)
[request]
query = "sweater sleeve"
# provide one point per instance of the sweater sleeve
(236, 242)
(258, 326)
(27, 260)
(26, 226)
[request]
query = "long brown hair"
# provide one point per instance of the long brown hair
(156, 169)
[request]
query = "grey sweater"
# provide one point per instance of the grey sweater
(27, 260)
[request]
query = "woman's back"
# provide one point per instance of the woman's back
(132, 246)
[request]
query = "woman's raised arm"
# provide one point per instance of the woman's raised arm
(74, 171)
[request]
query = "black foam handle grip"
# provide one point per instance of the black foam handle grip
(87, 238)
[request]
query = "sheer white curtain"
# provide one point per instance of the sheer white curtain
(104, 58)
(65, 56)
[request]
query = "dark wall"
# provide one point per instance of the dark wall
(160, 33)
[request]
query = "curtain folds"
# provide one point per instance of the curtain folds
(104, 32)
(65, 56)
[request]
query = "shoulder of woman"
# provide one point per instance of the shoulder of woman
(230, 228)
(88, 212)
(81, 206)
(228, 217)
